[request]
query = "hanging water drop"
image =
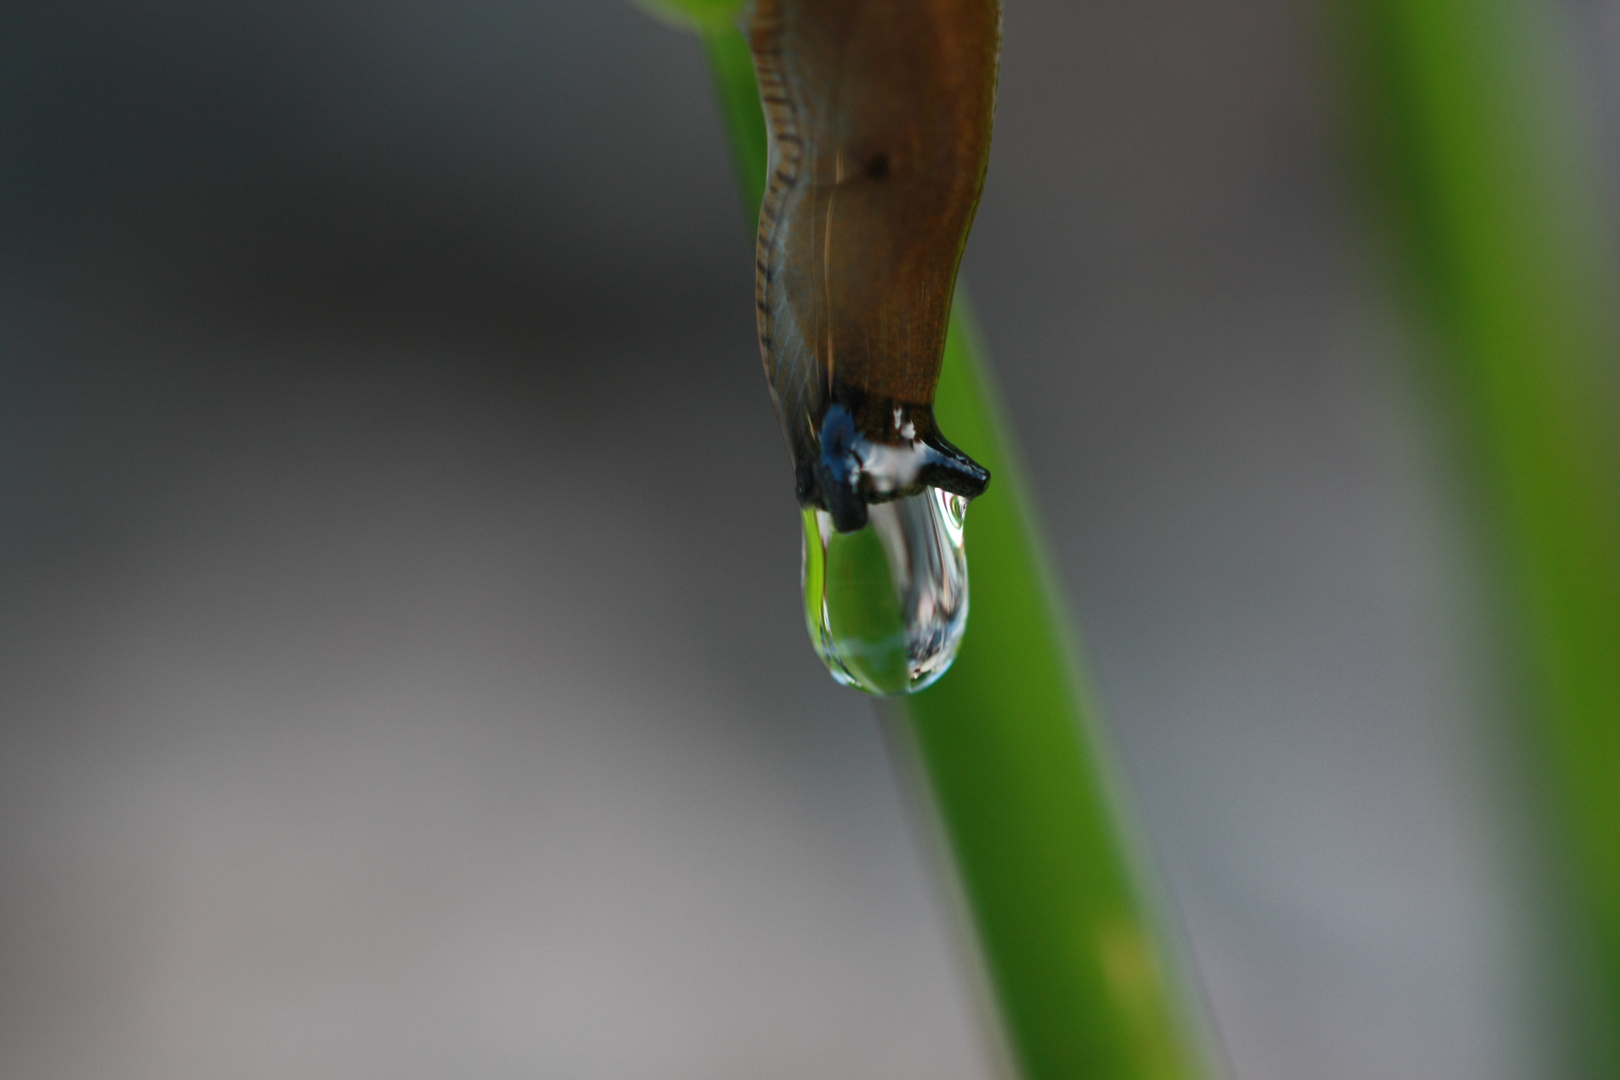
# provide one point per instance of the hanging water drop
(886, 605)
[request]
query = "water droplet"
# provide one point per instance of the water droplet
(887, 605)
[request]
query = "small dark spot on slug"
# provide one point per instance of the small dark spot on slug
(877, 166)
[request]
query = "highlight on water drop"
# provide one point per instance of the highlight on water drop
(887, 605)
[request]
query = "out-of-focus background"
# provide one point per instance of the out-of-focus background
(401, 666)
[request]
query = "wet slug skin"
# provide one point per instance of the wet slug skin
(879, 115)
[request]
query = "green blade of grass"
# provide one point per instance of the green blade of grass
(1470, 126)
(1087, 975)
(1087, 979)
(744, 116)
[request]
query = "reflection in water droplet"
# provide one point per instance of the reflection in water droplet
(887, 605)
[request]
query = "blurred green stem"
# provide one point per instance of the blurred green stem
(1088, 979)
(1470, 125)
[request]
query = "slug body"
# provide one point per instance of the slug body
(879, 115)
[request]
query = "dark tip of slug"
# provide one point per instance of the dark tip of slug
(951, 470)
(877, 166)
(845, 506)
(843, 471)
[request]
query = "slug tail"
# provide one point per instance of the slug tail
(879, 115)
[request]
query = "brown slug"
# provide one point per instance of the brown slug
(879, 115)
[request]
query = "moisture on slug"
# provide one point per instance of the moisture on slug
(886, 605)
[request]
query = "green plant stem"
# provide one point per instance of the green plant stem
(1469, 123)
(744, 116)
(1086, 976)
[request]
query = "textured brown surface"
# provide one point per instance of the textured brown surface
(880, 117)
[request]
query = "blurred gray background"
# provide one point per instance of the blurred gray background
(401, 666)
